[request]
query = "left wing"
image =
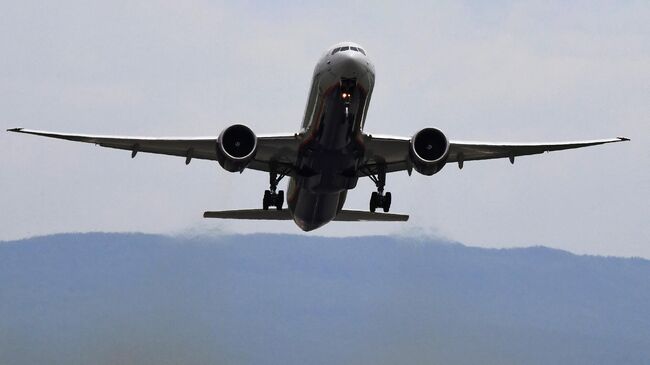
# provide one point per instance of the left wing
(393, 152)
(271, 149)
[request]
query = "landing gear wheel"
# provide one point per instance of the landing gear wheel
(378, 199)
(266, 201)
(374, 201)
(386, 203)
(272, 197)
(279, 200)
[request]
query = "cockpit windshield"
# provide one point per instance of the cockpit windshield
(348, 48)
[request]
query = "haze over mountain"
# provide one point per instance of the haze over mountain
(282, 299)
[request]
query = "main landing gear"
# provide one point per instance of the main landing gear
(378, 199)
(272, 197)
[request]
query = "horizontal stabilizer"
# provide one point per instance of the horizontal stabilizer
(257, 214)
(284, 215)
(364, 216)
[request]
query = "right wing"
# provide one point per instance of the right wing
(469, 151)
(393, 152)
(271, 149)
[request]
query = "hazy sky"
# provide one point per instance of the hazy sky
(489, 71)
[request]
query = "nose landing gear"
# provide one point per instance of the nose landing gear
(378, 199)
(272, 197)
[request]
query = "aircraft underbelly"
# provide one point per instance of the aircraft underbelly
(328, 162)
(313, 210)
(328, 158)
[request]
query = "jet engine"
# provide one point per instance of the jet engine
(236, 147)
(428, 151)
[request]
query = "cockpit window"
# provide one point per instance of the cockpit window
(348, 48)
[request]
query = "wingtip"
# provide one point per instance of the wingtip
(14, 129)
(623, 138)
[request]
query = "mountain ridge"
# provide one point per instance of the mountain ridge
(138, 298)
(405, 238)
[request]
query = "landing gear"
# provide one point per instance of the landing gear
(273, 197)
(378, 199)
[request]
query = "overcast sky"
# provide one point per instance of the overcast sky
(492, 71)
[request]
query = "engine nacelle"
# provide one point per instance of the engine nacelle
(429, 151)
(236, 147)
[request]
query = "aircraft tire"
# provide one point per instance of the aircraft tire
(266, 199)
(374, 197)
(386, 203)
(279, 200)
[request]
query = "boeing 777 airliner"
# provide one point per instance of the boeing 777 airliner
(329, 153)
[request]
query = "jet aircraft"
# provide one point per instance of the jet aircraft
(329, 153)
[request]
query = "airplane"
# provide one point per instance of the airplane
(329, 154)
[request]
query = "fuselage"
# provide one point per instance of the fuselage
(332, 148)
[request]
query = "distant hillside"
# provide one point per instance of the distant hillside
(280, 299)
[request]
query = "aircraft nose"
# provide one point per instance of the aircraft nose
(349, 65)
